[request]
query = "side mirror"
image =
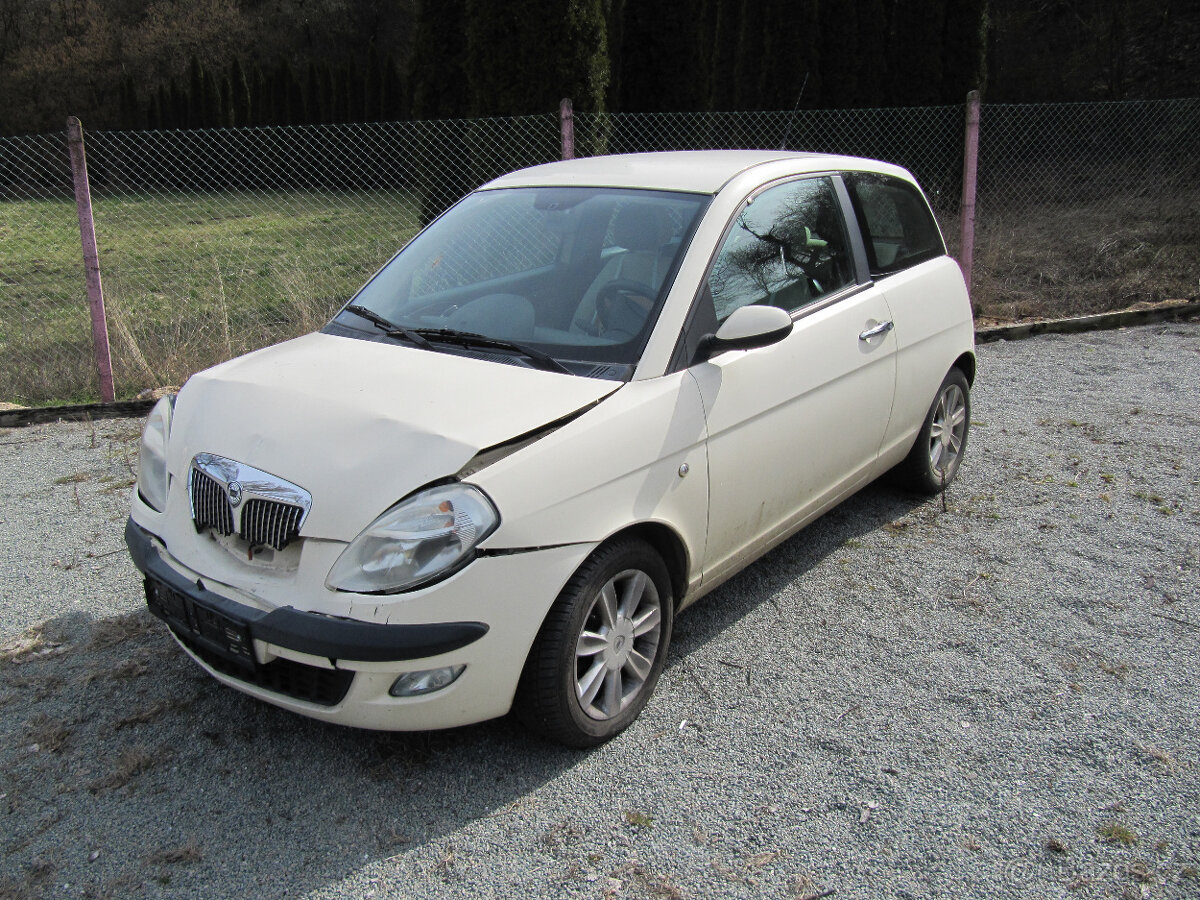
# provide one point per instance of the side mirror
(746, 328)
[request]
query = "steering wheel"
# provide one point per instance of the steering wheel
(622, 307)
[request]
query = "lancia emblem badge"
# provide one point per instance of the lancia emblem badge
(235, 493)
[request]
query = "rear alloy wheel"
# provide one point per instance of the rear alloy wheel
(935, 457)
(601, 649)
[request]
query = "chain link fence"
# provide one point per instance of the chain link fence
(215, 242)
(926, 140)
(1087, 207)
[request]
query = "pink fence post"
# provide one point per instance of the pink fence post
(966, 248)
(91, 259)
(566, 124)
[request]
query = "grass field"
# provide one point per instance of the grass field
(192, 279)
(189, 280)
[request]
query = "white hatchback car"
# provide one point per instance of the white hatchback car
(582, 398)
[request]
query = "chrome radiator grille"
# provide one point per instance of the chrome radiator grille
(233, 498)
(210, 504)
(270, 523)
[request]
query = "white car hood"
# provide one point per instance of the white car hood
(360, 424)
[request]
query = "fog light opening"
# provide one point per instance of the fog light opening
(413, 684)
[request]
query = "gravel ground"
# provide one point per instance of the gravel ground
(994, 699)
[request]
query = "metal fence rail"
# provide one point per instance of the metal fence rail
(215, 242)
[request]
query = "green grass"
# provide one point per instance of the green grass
(1116, 833)
(189, 280)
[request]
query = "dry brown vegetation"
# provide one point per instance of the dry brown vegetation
(1073, 260)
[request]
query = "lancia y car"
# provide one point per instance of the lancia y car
(582, 398)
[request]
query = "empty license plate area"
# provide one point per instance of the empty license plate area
(200, 624)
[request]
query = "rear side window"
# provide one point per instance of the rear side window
(897, 226)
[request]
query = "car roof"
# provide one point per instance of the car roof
(696, 171)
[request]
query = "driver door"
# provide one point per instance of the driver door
(795, 426)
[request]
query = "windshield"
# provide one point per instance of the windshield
(575, 274)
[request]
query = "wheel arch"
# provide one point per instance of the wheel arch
(667, 543)
(966, 362)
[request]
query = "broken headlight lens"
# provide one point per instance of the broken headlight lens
(152, 459)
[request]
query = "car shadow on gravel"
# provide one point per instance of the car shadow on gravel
(870, 509)
(127, 770)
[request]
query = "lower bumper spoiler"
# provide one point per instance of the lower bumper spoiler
(305, 632)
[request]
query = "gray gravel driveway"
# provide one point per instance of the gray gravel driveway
(994, 699)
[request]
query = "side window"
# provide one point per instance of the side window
(897, 226)
(786, 249)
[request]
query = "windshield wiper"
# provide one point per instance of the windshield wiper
(421, 336)
(390, 328)
(471, 339)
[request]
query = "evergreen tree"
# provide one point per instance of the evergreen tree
(130, 107)
(325, 97)
(355, 93)
(287, 98)
(776, 63)
(726, 37)
(839, 54)
(964, 47)
(211, 111)
(663, 58)
(371, 87)
(347, 83)
(795, 77)
(615, 28)
(226, 102)
(195, 94)
(872, 62)
(312, 90)
(160, 104)
(748, 70)
(180, 105)
(296, 99)
(240, 104)
(702, 53)
(439, 86)
(337, 95)
(260, 98)
(584, 59)
(915, 57)
(393, 93)
(525, 55)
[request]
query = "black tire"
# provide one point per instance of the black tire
(933, 462)
(548, 695)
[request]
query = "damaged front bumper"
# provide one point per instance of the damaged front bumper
(340, 669)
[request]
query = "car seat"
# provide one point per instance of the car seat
(643, 232)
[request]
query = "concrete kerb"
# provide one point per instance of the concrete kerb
(1185, 309)
(1125, 318)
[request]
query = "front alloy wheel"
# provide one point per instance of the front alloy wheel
(600, 651)
(618, 644)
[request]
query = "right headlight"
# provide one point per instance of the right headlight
(152, 459)
(418, 540)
